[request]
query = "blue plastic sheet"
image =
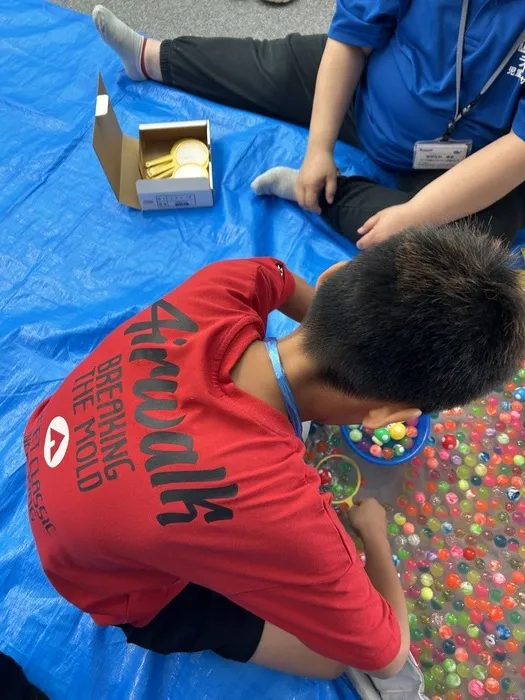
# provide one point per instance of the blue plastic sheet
(74, 263)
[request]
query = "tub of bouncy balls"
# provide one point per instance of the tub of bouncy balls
(456, 526)
(394, 444)
(463, 564)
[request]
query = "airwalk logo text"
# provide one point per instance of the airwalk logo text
(169, 452)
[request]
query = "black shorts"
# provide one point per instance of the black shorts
(199, 620)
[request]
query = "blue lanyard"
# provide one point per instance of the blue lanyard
(284, 387)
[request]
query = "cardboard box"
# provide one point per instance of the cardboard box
(122, 158)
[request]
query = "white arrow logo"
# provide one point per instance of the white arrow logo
(56, 442)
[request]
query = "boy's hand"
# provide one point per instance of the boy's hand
(368, 518)
(317, 173)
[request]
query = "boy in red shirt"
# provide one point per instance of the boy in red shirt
(167, 490)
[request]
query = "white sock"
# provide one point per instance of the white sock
(122, 39)
(277, 181)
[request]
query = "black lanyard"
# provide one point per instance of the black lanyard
(460, 113)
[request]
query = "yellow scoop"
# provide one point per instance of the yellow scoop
(191, 151)
(190, 170)
(347, 502)
(183, 152)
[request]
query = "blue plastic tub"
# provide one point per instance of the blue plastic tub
(423, 427)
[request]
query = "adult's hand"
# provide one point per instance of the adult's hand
(469, 187)
(384, 224)
(318, 173)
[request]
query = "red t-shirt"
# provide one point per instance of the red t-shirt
(149, 469)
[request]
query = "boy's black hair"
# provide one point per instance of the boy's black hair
(431, 318)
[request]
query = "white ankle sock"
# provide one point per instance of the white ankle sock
(122, 39)
(278, 181)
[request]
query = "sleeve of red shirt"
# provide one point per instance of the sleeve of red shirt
(345, 619)
(259, 285)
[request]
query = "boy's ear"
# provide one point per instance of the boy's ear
(390, 413)
(328, 272)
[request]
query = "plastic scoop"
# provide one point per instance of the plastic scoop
(343, 479)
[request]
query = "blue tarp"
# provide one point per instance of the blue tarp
(74, 263)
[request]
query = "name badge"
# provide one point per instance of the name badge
(439, 155)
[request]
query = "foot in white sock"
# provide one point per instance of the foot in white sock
(277, 181)
(122, 39)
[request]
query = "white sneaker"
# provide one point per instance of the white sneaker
(306, 429)
(407, 685)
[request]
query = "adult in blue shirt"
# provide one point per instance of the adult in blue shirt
(432, 90)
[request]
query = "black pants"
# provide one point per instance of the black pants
(199, 619)
(277, 79)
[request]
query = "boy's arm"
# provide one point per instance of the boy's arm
(469, 187)
(299, 303)
(382, 572)
(325, 597)
(368, 518)
(339, 73)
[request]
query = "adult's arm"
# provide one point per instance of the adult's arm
(339, 73)
(358, 27)
(469, 187)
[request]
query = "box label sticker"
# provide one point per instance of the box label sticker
(170, 201)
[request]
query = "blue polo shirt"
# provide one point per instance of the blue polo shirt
(408, 89)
